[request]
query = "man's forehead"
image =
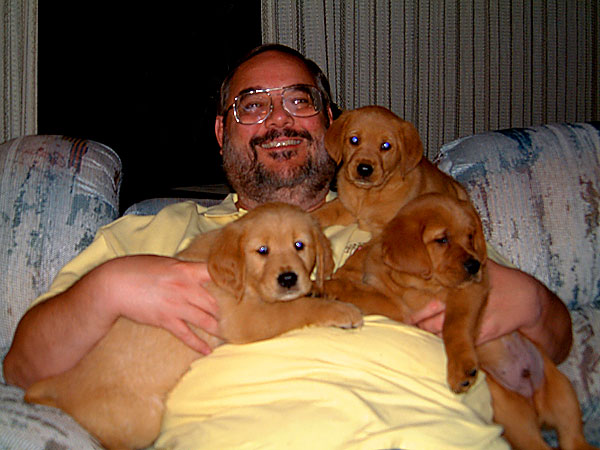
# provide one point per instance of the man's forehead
(270, 70)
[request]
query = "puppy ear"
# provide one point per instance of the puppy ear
(403, 248)
(325, 263)
(226, 262)
(479, 244)
(199, 248)
(334, 137)
(413, 147)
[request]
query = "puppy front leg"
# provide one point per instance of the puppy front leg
(333, 213)
(258, 320)
(463, 310)
(368, 299)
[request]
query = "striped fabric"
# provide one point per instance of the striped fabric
(451, 67)
(18, 68)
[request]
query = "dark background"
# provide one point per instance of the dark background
(143, 80)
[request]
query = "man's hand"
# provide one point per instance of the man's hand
(163, 292)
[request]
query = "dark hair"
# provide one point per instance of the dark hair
(320, 79)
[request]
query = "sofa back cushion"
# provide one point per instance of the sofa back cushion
(54, 194)
(538, 192)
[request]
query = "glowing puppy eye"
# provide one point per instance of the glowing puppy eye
(299, 245)
(354, 140)
(442, 240)
(386, 146)
(263, 250)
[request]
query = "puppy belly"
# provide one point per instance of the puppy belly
(514, 362)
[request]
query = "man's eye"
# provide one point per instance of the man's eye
(252, 106)
(354, 140)
(300, 101)
(263, 250)
(299, 245)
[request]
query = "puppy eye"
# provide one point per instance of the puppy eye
(442, 240)
(354, 140)
(263, 250)
(386, 146)
(299, 245)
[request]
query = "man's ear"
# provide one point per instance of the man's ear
(329, 116)
(219, 131)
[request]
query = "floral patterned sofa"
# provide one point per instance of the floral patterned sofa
(537, 189)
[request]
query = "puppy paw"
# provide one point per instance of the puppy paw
(462, 373)
(342, 315)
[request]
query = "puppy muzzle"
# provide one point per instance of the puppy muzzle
(287, 280)
(472, 266)
(364, 170)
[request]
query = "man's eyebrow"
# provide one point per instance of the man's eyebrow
(250, 89)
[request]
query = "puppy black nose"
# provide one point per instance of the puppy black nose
(472, 266)
(364, 170)
(287, 279)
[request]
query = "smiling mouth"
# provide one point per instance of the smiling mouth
(280, 144)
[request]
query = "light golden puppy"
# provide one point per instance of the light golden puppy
(260, 267)
(383, 168)
(435, 248)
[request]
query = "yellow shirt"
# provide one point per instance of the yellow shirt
(380, 386)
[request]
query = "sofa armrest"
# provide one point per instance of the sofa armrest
(538, 192)
(55, 193)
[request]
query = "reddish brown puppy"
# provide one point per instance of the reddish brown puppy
(434, 248)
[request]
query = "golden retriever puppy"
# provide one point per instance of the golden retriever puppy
(435, 248)
(260, 268)
(383, 168)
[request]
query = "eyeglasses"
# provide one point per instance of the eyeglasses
(254, 106)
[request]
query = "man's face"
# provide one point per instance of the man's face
(263, 161)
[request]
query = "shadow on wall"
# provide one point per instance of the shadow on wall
(144, 81)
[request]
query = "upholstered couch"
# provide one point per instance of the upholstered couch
(537, 189)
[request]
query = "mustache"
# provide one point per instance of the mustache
(286, 132)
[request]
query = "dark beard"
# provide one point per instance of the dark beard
(249, 176)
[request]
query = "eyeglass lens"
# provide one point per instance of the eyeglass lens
(300, 101)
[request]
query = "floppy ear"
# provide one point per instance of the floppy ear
(334, 137)
(413, 147)
(199, 248)
(325, 264)
(479, 238)
(226, 264)
(403, 248)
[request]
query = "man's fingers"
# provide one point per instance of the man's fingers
(205, 301)
(433, 308)
(433, 325)
(183, 332)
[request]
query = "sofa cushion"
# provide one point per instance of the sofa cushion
(538, 191)
(56, 192)
(26, 426)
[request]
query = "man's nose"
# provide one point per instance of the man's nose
(279, 117)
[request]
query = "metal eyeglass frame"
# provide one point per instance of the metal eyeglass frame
(318, 101)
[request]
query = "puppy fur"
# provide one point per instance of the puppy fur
(435, 248)
(260, 267)
(382, 169)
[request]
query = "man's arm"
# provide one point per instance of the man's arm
(517, 301)
(54, 335)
